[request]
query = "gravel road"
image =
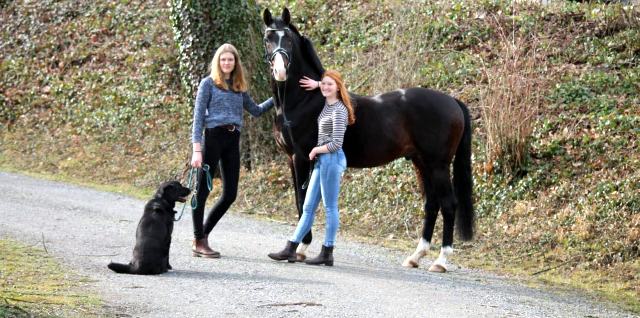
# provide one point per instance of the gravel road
(86, 229)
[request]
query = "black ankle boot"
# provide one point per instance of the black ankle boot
(325, 257)
(288, 253)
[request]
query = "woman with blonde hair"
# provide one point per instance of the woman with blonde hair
(325, 179)
(218, 111)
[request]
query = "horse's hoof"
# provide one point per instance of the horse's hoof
(300, 257)
(410, 263)
(437, 268)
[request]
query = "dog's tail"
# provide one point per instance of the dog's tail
(121, 268)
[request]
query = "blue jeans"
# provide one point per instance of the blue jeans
(324, 184)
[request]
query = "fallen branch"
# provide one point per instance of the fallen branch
(302, 303)
(102, 255)
(51, 295)
(29, 301)
(44, 243)
(552, 268)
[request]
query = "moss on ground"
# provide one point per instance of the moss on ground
(34, 284)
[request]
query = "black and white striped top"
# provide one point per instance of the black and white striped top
(332, 123)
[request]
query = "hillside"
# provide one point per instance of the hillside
(90, 92)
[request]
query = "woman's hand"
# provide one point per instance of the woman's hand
(196, 160)
(309, 84)
(313, 153)
(318, 150)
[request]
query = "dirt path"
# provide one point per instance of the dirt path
(87, 228)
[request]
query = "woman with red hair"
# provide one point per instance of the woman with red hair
(331, 162)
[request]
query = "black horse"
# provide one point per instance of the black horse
(424, 126)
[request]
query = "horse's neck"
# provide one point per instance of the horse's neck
(299, 103)
(310, 57)
(295, 100)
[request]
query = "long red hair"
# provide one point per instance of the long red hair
(343, 94)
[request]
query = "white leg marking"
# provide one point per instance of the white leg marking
(421, 251)
(301, 251)
(440, 265)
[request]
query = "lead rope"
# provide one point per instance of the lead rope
(194, 199)
(287, 124)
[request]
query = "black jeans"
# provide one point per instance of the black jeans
(223, 146)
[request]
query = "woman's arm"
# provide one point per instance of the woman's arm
(199, 111)
(318, 150)
(256, 110)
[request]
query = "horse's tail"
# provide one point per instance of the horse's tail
(121, 268)
(463, 180)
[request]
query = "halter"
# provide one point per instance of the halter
(268, 58)
(281, 100)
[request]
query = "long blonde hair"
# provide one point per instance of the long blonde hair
(343, 94)
(238, 83)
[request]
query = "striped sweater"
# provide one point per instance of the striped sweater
(332, 123)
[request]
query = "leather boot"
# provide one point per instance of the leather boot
(288, 253)
(200, 248)
(325, 257)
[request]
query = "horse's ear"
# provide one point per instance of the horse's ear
(266, 17)
(286, 16)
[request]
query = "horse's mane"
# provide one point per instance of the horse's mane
(310, 54)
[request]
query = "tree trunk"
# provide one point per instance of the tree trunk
(200, 27)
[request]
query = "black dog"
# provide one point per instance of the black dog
(153, 236)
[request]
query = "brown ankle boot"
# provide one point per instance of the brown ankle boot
(325, 257)
(288, 253)
(200, 248)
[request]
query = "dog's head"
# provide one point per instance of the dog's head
(172, 191)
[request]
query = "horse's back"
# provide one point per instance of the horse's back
(434, 115)
(415, 105)
(427, 103)
(402, 123)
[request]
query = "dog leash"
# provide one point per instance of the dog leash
(194, 199)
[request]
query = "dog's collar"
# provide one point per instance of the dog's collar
(165, 201)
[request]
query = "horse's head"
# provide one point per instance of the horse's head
(280, 38)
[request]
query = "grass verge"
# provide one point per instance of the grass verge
(34, 284)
